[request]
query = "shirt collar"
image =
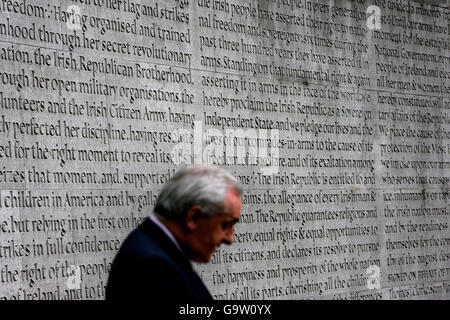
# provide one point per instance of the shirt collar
(165, 230)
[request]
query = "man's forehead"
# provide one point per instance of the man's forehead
(234, 204)
(232, 195)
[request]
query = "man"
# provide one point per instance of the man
(194, 213)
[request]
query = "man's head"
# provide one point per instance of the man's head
(200, 206)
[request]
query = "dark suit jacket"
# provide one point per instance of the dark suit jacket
(150, 267)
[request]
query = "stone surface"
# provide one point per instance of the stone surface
(334, 116)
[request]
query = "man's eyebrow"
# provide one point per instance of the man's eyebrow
(232, 221)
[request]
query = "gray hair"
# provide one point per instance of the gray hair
(205, 186)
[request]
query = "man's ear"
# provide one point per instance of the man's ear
(192, 217)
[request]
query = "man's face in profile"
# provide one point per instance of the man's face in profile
(211, 232)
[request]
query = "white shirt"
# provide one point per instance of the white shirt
(166, 231)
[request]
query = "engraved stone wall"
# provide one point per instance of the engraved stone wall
(333, 115)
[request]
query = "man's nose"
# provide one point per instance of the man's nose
(229, 236)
